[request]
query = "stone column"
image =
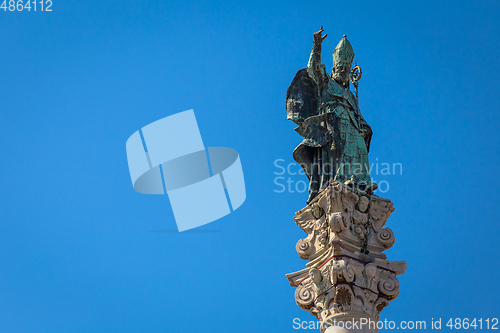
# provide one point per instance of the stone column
(347, 280)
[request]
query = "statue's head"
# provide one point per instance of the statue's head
(342, 61)
(370, 271)
(315, 275)
(363, 203)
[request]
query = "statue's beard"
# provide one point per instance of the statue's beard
(340, 75)
(341, 78)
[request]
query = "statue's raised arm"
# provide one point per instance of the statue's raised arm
(303, 95)
(315, 69)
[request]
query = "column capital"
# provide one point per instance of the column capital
(347, 274)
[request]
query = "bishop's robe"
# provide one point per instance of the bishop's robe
(336, 136)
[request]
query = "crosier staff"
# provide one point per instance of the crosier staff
(355, 76)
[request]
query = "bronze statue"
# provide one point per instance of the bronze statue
(336, 136)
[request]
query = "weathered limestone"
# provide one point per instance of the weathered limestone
(347, 277)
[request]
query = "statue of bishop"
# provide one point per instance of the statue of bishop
(336, 136)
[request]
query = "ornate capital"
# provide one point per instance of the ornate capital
(346, 270)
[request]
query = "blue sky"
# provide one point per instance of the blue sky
(83, 252)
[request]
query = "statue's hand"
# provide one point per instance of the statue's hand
(318, 38)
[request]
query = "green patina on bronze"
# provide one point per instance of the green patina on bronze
(336, 136)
